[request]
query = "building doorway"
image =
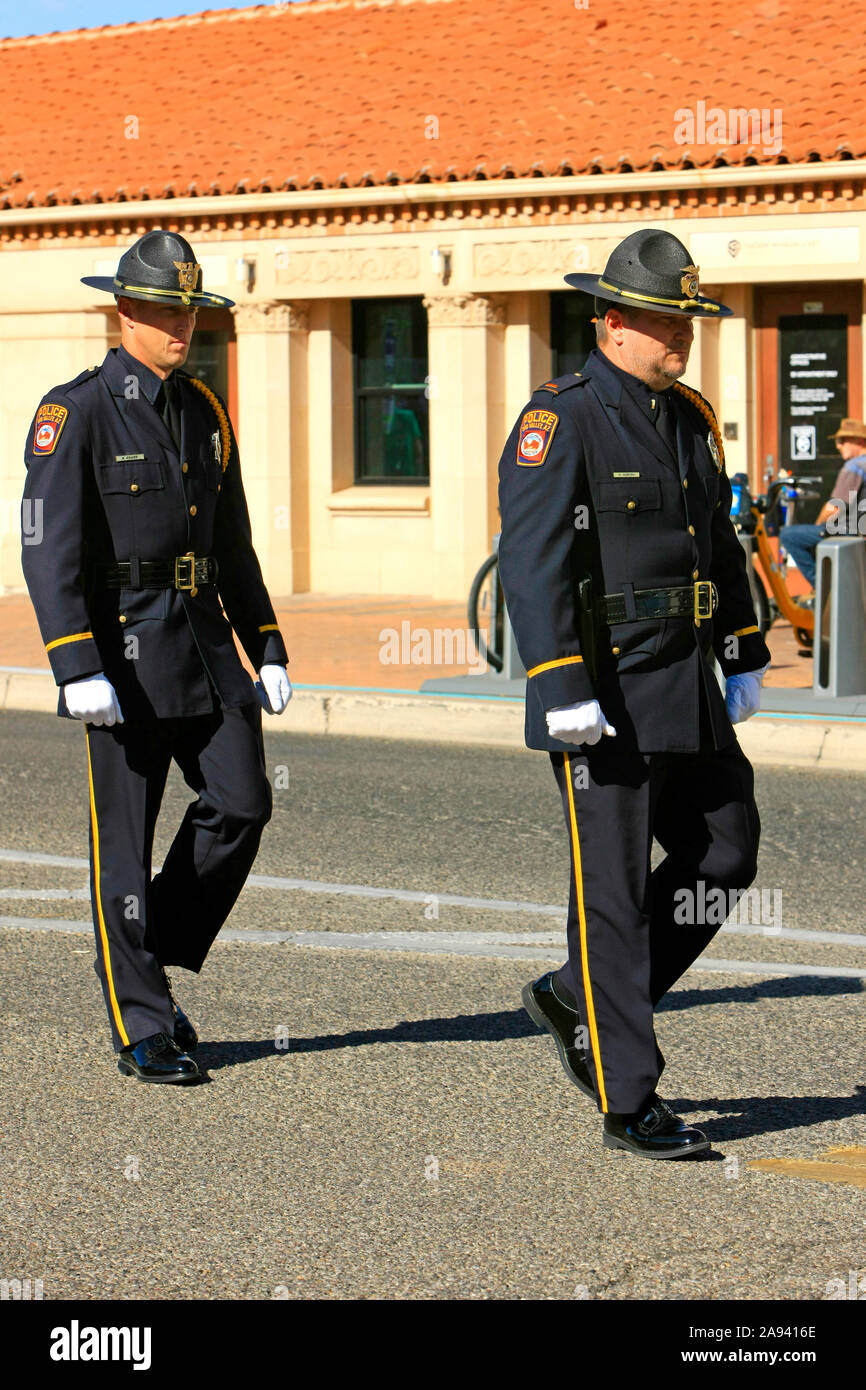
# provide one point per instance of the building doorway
(810, 375)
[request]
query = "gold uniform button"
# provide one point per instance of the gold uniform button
(193, 591)
(184, 467)
(133, 487)
(193, 509)
(632, 506)
(122, 618)
(685, 482)
(691, 530)
(696, 574)
(615, 651)
(697, 622)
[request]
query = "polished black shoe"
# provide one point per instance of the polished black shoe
(548, 1011)
(653, 1132)
(184, 1033)
(157, 1058)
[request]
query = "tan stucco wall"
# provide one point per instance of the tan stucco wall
(488, 347)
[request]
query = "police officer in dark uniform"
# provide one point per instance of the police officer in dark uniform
(623, 577)
(145, 571)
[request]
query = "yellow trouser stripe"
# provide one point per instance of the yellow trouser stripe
(584, 955)
(744, 631)
(61, 641)
(115, 1007)
(549, 665)
(270, 627)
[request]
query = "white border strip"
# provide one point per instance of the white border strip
(446, 944)
(405, 895)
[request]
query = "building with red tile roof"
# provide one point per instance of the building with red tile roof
(398, 187)
(344, 94)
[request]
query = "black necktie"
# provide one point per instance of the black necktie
(169, 409)
(665, 421)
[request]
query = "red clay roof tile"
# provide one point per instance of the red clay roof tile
(344, 92)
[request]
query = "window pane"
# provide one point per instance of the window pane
(208, 359)
(572, 333)
(392, 436)
(391, 409)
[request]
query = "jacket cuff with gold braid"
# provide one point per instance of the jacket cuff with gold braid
(562, 680)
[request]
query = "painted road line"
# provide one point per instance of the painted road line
(47, 894)
(54, 861)
(361, 890)
(450, 944)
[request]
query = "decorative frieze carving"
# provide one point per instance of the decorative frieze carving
(541, 256)
(343, 265)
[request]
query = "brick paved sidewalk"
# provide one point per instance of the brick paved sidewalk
(338, 641)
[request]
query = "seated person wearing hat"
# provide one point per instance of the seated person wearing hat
(801, 540)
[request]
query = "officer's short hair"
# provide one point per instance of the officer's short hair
(601, 307)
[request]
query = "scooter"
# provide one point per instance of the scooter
(752, 518)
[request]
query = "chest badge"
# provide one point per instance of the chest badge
(536, 431)
(714, 450)
(217, 446)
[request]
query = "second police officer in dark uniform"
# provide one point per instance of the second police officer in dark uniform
(623, 577)
(145, 567)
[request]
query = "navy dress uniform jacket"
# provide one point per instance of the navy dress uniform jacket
(588, 487)
(112, 486)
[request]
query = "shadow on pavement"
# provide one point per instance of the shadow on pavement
(739, 1116)
(781, 987)
(496, 1027)
(748, 1115)
(507, 1023)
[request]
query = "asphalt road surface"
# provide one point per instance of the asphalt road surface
(381, 1119)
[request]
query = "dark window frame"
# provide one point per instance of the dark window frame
(359, 392)
(559, 301)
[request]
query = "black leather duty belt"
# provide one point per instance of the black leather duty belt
(688, 601)
(185, 572)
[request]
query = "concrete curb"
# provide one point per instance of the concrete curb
(809, 741)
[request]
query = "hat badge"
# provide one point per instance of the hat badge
(187, 276)
(690, 282)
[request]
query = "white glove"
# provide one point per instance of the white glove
(583, 723)
(274, 688)
(93, 700)
(743, 694)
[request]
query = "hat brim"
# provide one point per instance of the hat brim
(701, 307)
(194, 299)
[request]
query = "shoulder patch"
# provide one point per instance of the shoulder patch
(536, 431)
(47, 427)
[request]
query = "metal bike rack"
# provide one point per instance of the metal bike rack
(508, 683)
(840, 617)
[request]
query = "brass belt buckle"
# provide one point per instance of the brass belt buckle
(184, 578)
(706, 599)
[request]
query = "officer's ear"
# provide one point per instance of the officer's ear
(615, 319)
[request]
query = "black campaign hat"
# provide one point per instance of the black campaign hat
(651, 270)
(160, 266)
